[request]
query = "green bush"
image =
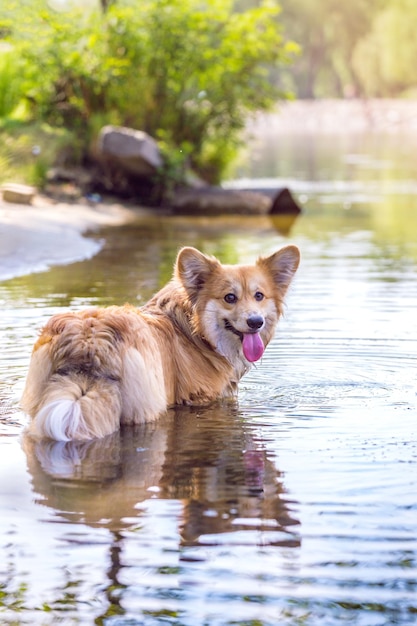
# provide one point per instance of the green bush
(11, 88)
(187, 70)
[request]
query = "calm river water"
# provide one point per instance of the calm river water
(297, 505)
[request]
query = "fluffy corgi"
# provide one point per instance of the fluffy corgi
(96, 369)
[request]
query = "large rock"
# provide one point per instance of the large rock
(129, 151)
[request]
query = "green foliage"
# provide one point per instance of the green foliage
(189, 70)
(11, 87)
(175, 169)
(28, 150)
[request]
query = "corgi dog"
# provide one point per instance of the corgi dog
(96, 369)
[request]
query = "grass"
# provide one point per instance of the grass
(28, 150)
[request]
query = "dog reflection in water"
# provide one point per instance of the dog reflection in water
(205, 458)
(94, 370)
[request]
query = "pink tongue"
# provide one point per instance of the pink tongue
(253, 347)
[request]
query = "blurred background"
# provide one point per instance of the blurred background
(191, 74)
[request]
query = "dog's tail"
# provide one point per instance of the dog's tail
(73, 387)
(77, 407)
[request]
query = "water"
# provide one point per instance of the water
(297, 505)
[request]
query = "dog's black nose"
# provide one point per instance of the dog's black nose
(255, 322)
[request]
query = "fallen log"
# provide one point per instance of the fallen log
(220, 201)
(282, 200)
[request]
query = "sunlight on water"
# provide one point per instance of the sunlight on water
(295, 506)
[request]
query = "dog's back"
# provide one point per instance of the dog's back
(86, 371)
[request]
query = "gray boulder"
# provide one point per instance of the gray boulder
(129, 151)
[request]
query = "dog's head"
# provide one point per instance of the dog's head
(236, 307)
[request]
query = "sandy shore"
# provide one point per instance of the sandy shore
(37, 236)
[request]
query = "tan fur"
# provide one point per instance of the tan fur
(95, 369)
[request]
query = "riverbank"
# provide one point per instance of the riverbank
(46, 233)
(37, 236)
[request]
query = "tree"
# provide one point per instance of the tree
(385, 60)
(328, 32)
(186, 71)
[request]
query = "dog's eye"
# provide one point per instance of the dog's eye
(259, 296)
(230, 298)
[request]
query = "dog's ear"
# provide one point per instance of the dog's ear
(193, 268)
(282, 265)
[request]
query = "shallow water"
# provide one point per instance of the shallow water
(297, 505)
